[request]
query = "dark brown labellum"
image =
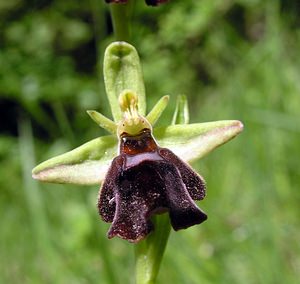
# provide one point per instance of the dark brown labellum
(145, 180)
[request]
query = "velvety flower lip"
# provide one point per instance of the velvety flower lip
(148, 2)
(145, 180)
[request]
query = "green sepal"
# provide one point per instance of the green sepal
(122, 71)
(88, 163)
(85, 165)
(193, 141)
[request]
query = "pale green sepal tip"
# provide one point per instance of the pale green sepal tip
(103, 121)
(193, 141)
(122, 71)
(85, 165)
(157, 110)
(181, 114)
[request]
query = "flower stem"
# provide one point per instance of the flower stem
(149, 252)
(121, 14)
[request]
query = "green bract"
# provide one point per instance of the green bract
(88, 163)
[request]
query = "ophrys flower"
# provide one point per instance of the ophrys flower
(141, 175)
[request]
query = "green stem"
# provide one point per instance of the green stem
(149, 252)
(121, 14)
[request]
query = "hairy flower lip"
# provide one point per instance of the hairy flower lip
(133, 207)
(144, 179)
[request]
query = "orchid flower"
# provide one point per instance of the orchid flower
(143, 170)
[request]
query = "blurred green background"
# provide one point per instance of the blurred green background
(234, 59)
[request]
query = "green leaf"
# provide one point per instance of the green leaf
(122, 71)
(88, 163)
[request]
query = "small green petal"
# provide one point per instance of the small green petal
(193, 141)
(103, 121)
(157, 110)
(84, 165)
(122, 71)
